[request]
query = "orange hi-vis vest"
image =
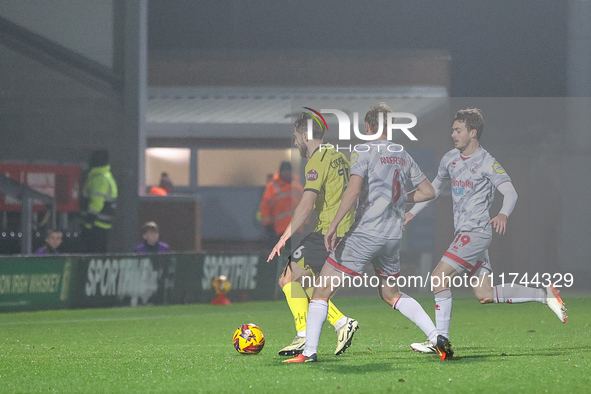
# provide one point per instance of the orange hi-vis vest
(157, 191)
(279, 201)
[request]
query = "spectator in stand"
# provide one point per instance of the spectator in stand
(166, 182)
(53, 240)
(151, 236)
(165, 187)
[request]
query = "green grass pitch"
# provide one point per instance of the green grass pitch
(500, 348)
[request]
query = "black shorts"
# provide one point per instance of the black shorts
(310, 253)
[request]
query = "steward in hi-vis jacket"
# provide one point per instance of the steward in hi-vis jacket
(99, 201)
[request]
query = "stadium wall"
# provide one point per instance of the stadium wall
(299, 68)
(99, 281)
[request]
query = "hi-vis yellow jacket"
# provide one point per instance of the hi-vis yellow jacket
(100, 191)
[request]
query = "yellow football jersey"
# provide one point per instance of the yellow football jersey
(327, 174)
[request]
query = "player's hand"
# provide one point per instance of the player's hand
(330, 238)
(499, 223)
(276, 249)
(407, 218)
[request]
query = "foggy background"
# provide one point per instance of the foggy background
(499, 48)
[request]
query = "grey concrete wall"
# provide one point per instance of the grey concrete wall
(299, 68)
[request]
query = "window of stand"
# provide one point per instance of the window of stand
(174, 161)
(239, 167)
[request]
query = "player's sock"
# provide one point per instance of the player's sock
(443, 308)
(317, 312)
(297, 300)
(335, 316)
(517, 293)
(410, 308)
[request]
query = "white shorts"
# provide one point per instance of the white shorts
(468, 253)
(356, 250)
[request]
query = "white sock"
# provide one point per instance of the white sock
(410, 308)
(443, 307)
(302, 334)
(340, 323)
(317, 313)
(517, 293)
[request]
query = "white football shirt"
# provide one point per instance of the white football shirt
(385, 169)
(473, 182)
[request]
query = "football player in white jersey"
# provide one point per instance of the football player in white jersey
(474, 175)
(379, 172)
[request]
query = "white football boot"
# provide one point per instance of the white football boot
(345, 335)
(294, 348)
(555, 303)
(424, 347)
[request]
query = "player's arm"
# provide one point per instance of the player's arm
(300, 215)
(423, 192)
(509, 193)
(349, 198)
(437, 186)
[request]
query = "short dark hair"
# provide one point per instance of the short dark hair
(472, 118)
(149, 226)
(372, 117)
(50, 231)
(99, 158)
(301, 126)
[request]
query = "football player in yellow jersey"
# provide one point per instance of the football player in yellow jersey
(327, 175)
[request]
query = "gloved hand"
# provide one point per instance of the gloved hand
(90, 218)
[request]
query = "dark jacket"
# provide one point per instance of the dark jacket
(159, 247)
(45, 250)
